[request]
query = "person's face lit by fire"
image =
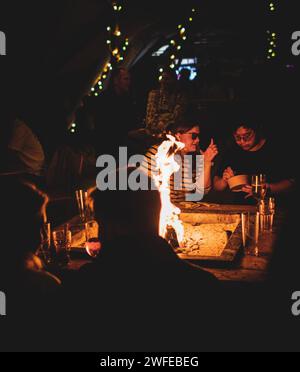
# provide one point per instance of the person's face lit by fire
(245, 138)
(191, 139)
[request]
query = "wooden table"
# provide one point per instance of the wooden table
(248, 269)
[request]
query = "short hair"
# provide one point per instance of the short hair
(182, 126)
(20, 229)
(246, 120)
(128, 210)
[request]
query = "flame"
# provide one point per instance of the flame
(166, 167)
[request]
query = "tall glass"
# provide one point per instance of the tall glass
(81, 203)
(272, 209)
(93, 244)
(259, 187)
(62, 240)
(267, 213)
(44, 251)
(250, 233)
(85, 206)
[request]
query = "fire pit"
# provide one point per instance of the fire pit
(210, 235)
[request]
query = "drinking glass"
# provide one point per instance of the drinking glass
(250, 233)
(85, 206)
(259, 187)
(81, 203)
(267, 213)
(44, 251)
(62, 240)
(92, 244)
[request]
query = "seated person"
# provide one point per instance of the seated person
(252, 154)
(195, 180)
(137, 281)
(21, 271)
(27, 148)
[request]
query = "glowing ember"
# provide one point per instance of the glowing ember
(167, 166)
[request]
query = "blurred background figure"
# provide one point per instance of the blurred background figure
(115, 113)
(165, 104)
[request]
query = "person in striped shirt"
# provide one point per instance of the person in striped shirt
(193, 180)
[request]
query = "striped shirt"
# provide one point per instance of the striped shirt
(188, 183)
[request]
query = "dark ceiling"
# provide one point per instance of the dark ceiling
(57, 48)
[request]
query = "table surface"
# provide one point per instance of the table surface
(248, 268)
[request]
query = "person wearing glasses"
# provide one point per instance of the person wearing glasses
(252, 153)
(196, 176)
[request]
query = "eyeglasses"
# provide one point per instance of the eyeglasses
(194, 135)
(246, 138)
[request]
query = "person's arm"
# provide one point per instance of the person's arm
(221, 183)
(209, 156)
(281, 187)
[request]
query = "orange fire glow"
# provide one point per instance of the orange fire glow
(166, 167)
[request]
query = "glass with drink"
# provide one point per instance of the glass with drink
(62, 240)
(259, 187)
(44, 251)
(92, 244)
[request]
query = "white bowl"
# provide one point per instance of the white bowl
(236, 183)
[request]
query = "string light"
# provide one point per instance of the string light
(271, 35)
(175, 43)
(116, 44)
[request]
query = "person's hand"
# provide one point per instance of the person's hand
(210, 153)
(248, 191)
(228, 173)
